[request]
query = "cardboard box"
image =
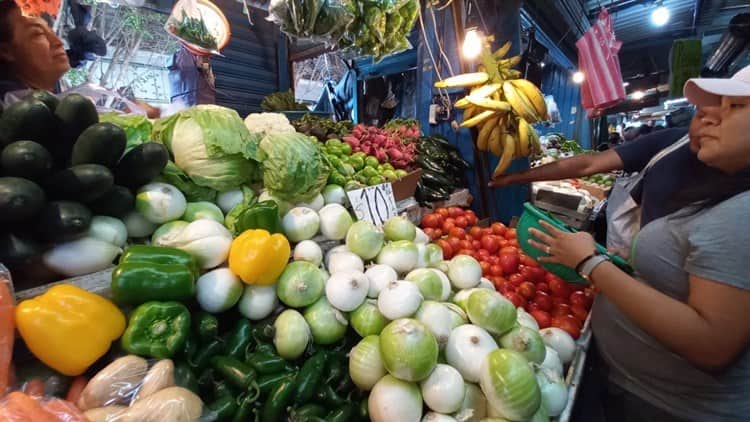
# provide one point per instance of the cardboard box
(405, 187)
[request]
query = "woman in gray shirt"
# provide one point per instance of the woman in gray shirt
(676, 337)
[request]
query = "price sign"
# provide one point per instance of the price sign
(375, 204)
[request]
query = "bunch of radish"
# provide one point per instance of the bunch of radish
(387, 146)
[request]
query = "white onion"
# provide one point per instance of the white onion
(138, 225)
(461, 298)
(464, 271)
(399, 299)
(408, 349)
(309, 251)
(367, 319)
(160, 202)
(108, 229)
(364, 239)
(345, 261)
(327, 324)
(433, 255)
(474, 405)
(300, 224)
(421, 237)
(379, 276)
(365, 364)
(443, 391)
(257, 302)
(335, 221)
(229, 199)
(315, 204)
(552, 361)
(399, 228)
(402, 255)
(440, 319)
(561, 341)
(429, 282)
(291, 334)
(509, 384)
(466, 349)
(457, 314)
(347, 290)
(525, 341)
(485, 284)
(81, 256)
(394, 400)
(491, 311)
(525, 319)
(554, 391)
(335, 194)
(437, 417)
(333, 251)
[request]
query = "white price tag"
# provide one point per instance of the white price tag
(375, 204)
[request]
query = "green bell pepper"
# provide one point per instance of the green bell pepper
(239, 339)
(263, 215)
(157, 329)
(160, 255)
(134, 283)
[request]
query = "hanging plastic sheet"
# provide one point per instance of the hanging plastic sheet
(597, 59)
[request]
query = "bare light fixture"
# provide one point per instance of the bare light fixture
(578, 77)
(660, 15)
(637, 95)
(472, 45)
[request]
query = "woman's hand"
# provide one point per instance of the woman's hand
(562, 247)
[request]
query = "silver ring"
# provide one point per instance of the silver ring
(548, 250)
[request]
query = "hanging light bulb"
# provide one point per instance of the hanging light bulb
(637, 95)
(578, 77)
(660, 15)
(472, 45)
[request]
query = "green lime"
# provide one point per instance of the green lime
(388, 166)
(376, 180)
(334, 150)
(346, 149)
(347, 170)
(337, 179)
(371, 161)
(390, 175)
(401, 173)
(334, 143)
(357, 162)
(360, 154)
(370, 172)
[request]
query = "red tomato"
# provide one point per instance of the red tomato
(579, 312)
(438, 233)
(494, 260)
(455, 243)
(475, 233)
(579, 298)
(527, 272)
(491, 243)
(527, 289)
(455, 212)
(468, 252)
(503, 242)
(499, 229)
(567, 323)
(496, 270)
(559, 288)
(475, 244)
(528, 261)
(561, 309)
(465, 244)
(516, 278)
(510, 234)
(513, 242)
(461, 221)
(542, 287)
(559, 300)
(471, 217)
(543, 301)
(430, 221)
(446, 247)
(448, 226)
(485, 267)
(509, 263)
(542, 318)
(506, 288)
(486, 230)
(532, 306)
(483, 254)
(457, 232)
(431, 233)
(510, 250)
(549, 277)
(518, 300)
(443, 212)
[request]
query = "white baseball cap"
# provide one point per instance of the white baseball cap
(708, 91)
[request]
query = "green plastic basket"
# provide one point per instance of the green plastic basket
(530, 219)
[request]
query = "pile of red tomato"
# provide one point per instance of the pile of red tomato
(549, 299)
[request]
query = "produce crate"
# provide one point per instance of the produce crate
(595, 191)
(98, 282)
(574, 375)
(406, 186)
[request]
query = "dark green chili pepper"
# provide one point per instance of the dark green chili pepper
(302, 413)
(224, 407)
(245, 406)
(263, 348)
(327, 395)
(207, 382)
(309, 378)
(236, 373)
(205, 326)
(364, 410)
(203, 356)
(190, 347)
(263, 332)
(344, 413)
(184, 377)
(336, 368)
(278, 401)
(267, 383)
(345, 385)
(265, 363)
(238, 339)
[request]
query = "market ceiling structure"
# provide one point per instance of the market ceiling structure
(644, 56)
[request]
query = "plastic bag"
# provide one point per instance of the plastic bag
(106, 101)
(552, 110)
(7, 308)
(201, 28)
(22, 407)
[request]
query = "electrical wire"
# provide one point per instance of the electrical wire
(439, 44)
(443, 93)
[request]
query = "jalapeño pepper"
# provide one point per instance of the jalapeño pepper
(263, 332)
(309, 378)
(267, 383)
(203, 356)
(245, 406)
(344, 413)
(185, 378)
(160, 255)
(206, 326)
(157, 329)
(262, 348)
(224, 407)
(134, 283)
(238, 339)
(278, 401)
(236, 373)
(266, 363)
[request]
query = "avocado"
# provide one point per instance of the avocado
(30, 120)
(118, 201)
(20, 199)
(141, 165)
(84, 182)
(26, 159)
(63, 220)
(46, 97)
(76, 114)
(100, 143)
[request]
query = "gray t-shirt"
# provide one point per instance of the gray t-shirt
(712, 244)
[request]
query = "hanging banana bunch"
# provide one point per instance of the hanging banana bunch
(501, 106)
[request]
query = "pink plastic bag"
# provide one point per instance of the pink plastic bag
(597, 58)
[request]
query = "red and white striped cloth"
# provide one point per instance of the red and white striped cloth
(597, 59)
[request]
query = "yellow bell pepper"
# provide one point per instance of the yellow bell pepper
(69, 328)
(258, 257)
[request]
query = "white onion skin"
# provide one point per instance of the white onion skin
(400, 299)
(466, 349)
(443, 390)
(394, 400)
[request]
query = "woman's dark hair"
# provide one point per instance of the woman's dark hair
(6, 7)
(715, 188)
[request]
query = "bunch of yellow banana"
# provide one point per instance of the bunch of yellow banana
(502, 107)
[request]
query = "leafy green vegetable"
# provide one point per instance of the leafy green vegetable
(177, 178)
(211, 145)
(282, 101)
(137, 127)
(194, 30)
(294, 167)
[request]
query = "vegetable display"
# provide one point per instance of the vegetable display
(281, 101)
